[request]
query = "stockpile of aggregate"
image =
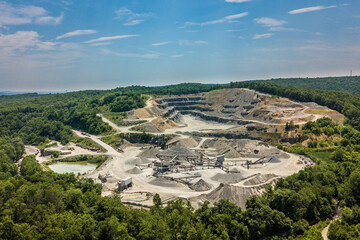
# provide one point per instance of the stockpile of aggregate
(162, 182)
(274, 160)
(178, 150)
(229, 177)
(149, 153)
(259, 179)
(200, 186)
(229, 152)
(235, 194)
(137, 161)
(185, 142)
(134, 170)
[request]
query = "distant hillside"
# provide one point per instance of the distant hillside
(345, 84)
(7, 93)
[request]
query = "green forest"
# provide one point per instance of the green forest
(344, 84)
(37, 204)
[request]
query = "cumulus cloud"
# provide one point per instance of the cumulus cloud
(227, 19)
(102, 39)
(311, 9)
(261, 36)
(25, 14)
(76, 33)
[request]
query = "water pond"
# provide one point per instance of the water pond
(76, 167)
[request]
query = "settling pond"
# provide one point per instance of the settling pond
(68, 167)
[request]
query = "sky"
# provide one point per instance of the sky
(66, 45)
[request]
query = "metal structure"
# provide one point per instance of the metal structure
(182, 162)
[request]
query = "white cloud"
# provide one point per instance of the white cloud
(233, 30)
(279, 29)
(228, 19)
(102, 39)
(132, 55)
(237, 1)
(201, 42)
(274, 25)
(32, 11)
(134, 22)
(24, 50)
(19, 41)
(76, 33)
(261, 36)
(25, 14)
(189, 43)
(311, 9)
(132, 18)
(160, 44)
(177, 56)
(49, 20)
(101, 44)
(269, 22)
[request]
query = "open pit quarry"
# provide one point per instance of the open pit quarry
(217, 147)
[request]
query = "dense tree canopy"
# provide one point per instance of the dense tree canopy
(344, 84)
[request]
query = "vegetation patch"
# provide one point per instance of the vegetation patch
(88, 143)
(119, 119)
(98, 160)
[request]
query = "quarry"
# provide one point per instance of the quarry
(214, 145)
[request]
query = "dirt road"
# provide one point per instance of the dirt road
(337, 215)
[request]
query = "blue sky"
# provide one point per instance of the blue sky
(101, 44)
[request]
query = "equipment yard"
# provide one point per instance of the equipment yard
(215, 147)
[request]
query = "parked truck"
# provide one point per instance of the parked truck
(124, 183)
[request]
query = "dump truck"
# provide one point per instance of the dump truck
(124, 183)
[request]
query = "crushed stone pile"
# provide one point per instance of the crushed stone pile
(188, 142)
(185, 142)
(134, 170)
(235, 170)
(179, 150)
(200, 186)
(137, 160)
(229, 177)
(259, 179)
(274, 160)
(235, 194)
(149, 153)
(229, 152)
(162, 182)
